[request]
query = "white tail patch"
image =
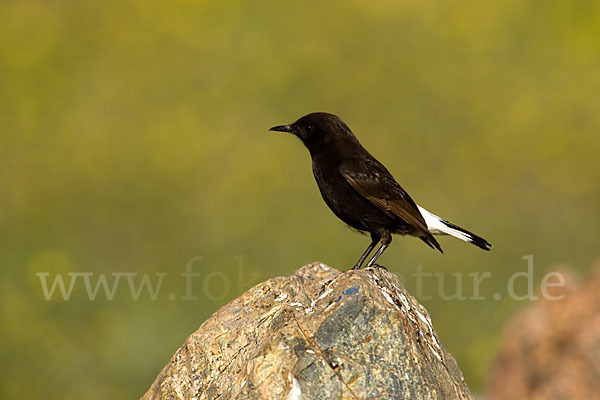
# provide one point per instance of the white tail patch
(437, 226)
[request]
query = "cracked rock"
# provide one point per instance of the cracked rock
(318, 334)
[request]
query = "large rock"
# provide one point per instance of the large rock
(318, 334)
(551, 350)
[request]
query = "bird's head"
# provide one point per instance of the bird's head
(318, 130)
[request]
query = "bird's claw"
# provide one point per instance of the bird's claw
(379, 266)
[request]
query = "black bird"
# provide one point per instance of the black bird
(360, 190)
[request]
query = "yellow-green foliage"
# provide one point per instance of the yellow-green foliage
(133, 137)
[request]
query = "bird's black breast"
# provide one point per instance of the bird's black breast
(345, 202)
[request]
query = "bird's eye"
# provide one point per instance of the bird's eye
(309, 128)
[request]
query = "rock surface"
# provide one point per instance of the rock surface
(318, 334)
(551, 351)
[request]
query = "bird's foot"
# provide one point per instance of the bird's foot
(356, 267)
(379, 266)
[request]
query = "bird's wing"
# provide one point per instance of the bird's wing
(373, 181)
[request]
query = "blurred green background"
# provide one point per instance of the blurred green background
(134, 137)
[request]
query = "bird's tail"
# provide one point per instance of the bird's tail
(439, 226)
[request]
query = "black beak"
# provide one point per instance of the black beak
(282, 128)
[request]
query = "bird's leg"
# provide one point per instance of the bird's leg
(386, 239)
(361, 260)
(376, 256)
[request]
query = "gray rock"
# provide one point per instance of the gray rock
(318, 334)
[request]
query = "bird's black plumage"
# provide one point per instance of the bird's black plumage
(360, 190)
